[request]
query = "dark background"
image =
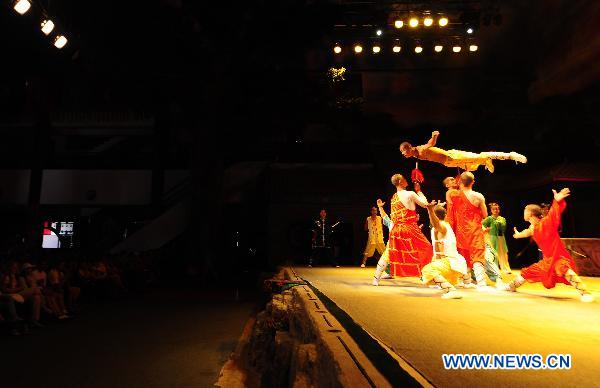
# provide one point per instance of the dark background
(236, 97)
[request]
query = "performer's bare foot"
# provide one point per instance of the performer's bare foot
(518, 157)
(362, 265)
(466, 285)
(387, 276)
(375, 282)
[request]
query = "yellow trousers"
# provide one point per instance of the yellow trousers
(440, 267)
(370, 249)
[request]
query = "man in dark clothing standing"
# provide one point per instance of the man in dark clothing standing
(322, 244)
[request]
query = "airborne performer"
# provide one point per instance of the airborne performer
(468, 161)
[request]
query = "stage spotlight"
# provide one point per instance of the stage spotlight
(60, 41)
(379, 32)
(473, 48)
(22, 6)
(428, 21)
(413, 22)
(456, 49)
(47, 26)
(376, 49)
(358, 49)
(418, 49)
(337, 49)
(396, 49)
(398, 24)
(469, 30)
(443, 22)
(438, 48)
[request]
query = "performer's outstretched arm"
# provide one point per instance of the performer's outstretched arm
(552, 219)
(380, 204)
(420, 199)
(564, 193)
(434, 220)
(432, 142)
(418, 196)
(385, 218)
(523, 234)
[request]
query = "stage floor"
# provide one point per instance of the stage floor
(420, 326)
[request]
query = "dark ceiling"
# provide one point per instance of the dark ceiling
(258, 70)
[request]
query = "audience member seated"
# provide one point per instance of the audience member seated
(14, 283)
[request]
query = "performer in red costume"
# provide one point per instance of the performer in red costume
(557, 266)
(466, 208)
(409, 249)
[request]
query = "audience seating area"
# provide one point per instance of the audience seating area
(52, 289)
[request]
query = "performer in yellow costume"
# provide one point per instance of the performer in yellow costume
(447, 267)
(468, 161)
(374, 226)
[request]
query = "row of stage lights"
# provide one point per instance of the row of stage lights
(376, 49)
(427, 21)
(46, 26)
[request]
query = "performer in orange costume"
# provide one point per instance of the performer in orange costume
(557, 266)
(466, 209)
(409, 249)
